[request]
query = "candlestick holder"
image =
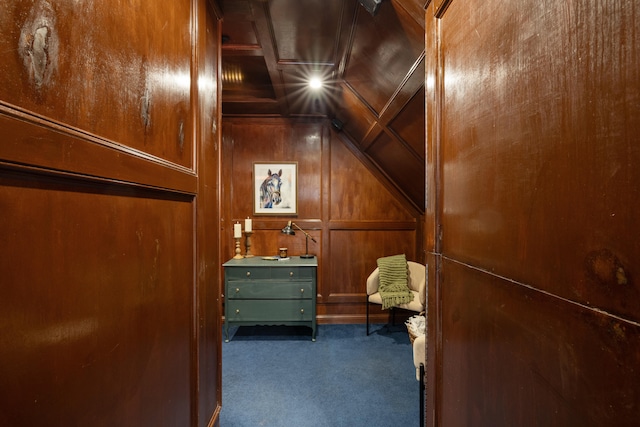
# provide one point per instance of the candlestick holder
(247, 243)
(238, 255)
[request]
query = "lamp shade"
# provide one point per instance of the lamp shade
(288, 229)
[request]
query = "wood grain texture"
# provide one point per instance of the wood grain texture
(541, 144)
(513, 355)
(93, 312)
(534, 304)
(377, 66)
(117, 76)
(108, 214)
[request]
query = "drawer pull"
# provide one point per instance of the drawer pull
(302, 311)
(248, 273)
(237, 290)
(291, 274)
(302, 290)
(237, 311)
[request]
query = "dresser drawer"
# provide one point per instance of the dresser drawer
(262, 273)
(270, 311)
(292, 273)
(269, 290)
(247, 273)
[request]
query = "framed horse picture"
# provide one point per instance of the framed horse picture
(275, 188)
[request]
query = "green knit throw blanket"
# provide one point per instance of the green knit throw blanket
(394, 288)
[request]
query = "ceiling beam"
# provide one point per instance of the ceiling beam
(266, 39)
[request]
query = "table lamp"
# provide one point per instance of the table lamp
(289, 230)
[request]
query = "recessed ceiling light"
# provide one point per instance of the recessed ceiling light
(315, 83)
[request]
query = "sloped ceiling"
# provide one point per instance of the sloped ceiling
(372, 67)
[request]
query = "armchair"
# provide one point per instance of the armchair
(417, 284)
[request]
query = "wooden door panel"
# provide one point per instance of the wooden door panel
(103, 69)
(96, 303)
(109, 308)
(42, 144)
(512, 355)
(540, 182)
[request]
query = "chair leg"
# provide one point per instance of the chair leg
(393, 316)
(367, 315)
(422, 390)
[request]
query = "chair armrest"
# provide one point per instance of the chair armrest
(418, 279)
(373, 282)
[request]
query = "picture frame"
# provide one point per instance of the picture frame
(275, 188)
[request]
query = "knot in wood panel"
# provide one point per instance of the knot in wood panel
(38, 45)
(604, 267)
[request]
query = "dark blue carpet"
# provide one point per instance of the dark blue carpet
(277, 377)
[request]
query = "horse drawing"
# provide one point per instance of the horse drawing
(270, 190)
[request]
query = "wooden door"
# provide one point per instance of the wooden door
(533, 155)
(108, 230)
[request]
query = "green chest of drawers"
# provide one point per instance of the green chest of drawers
(266, 292)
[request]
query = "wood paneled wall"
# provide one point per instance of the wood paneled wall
(108, 164)
(352, 213)
(533, 185)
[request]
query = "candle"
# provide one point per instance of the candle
(247, 225)
(237, 230)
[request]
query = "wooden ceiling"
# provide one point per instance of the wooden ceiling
(372, 66)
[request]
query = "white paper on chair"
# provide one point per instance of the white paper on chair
(416, 324)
